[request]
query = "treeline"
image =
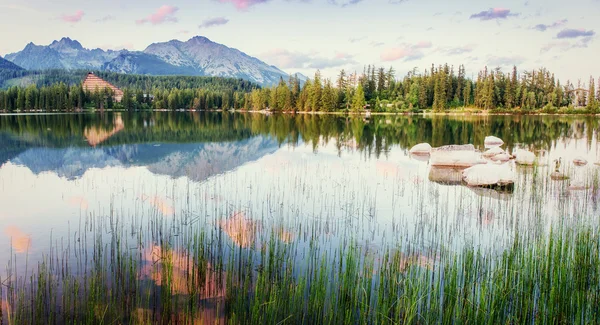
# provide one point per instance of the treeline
(61, 97)
(439, 88)
(61, 90)
(377, 89)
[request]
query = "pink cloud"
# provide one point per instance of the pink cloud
(243, 4)
(406, 51)
(74, 18)
(162, 15)
(423, 45)
(394, 54)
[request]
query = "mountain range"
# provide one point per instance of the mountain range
(198, 56)
(7, 65)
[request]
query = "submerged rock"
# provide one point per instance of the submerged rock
(491, 193)
(456, 156)
(493, 141)
(446, 175)
(489, 176)
(558, 176)
(525, 157)
(580, 161)
(420, 149)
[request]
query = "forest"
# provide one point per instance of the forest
(437, 89)
(377, 89)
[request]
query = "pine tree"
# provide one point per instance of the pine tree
(467, 94)
(328, 99)
(381, 80)
(592, 105)
(316, 90)
(358, 101)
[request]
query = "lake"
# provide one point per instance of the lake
(70, 182)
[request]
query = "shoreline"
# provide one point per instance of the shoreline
(339, 113)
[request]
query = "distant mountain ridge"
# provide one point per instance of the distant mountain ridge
(7, 65)
(198, 56)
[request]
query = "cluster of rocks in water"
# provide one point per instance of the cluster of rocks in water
(493, 168)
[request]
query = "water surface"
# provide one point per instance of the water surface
(324, 177)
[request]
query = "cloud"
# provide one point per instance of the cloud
(162, 15)
(356, 39)
(397, 2)
(422, 45)
(565, 45)
(376, 44)
(286, 59)
(74, 18)
(502, 61)
(344, 3)
(243, 4)
(493, 13)
(406, 52)
(105, 19)
(574, 33)
(542, 27)
(213, 22)
(459, 50)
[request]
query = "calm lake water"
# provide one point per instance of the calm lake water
(329, 178)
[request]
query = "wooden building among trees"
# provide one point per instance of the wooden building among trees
(94, 83)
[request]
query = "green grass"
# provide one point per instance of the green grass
(159, 270)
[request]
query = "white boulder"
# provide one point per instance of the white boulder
(492, 152)
(489, 175)
(456, 156)
(503, 157)
(525, 157)
(420, 149)
(493, 141)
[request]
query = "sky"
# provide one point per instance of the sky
(330, 35)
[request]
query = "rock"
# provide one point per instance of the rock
(491, 193)
(558, 176)
(489, 175)
(503, 157)
(580, 161)
(492, 152)
(420, 157)
(446, 175)
(456, 156)
(493, 141)
(525, 157)
(421, 149)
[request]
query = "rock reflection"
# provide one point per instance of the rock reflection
(79, 202)
(186, 277)
(160, 204)
(240, 229)
(20, 241)
(285, 235)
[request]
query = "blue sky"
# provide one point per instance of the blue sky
(305, 35)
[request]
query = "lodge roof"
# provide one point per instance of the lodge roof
(93, 82)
